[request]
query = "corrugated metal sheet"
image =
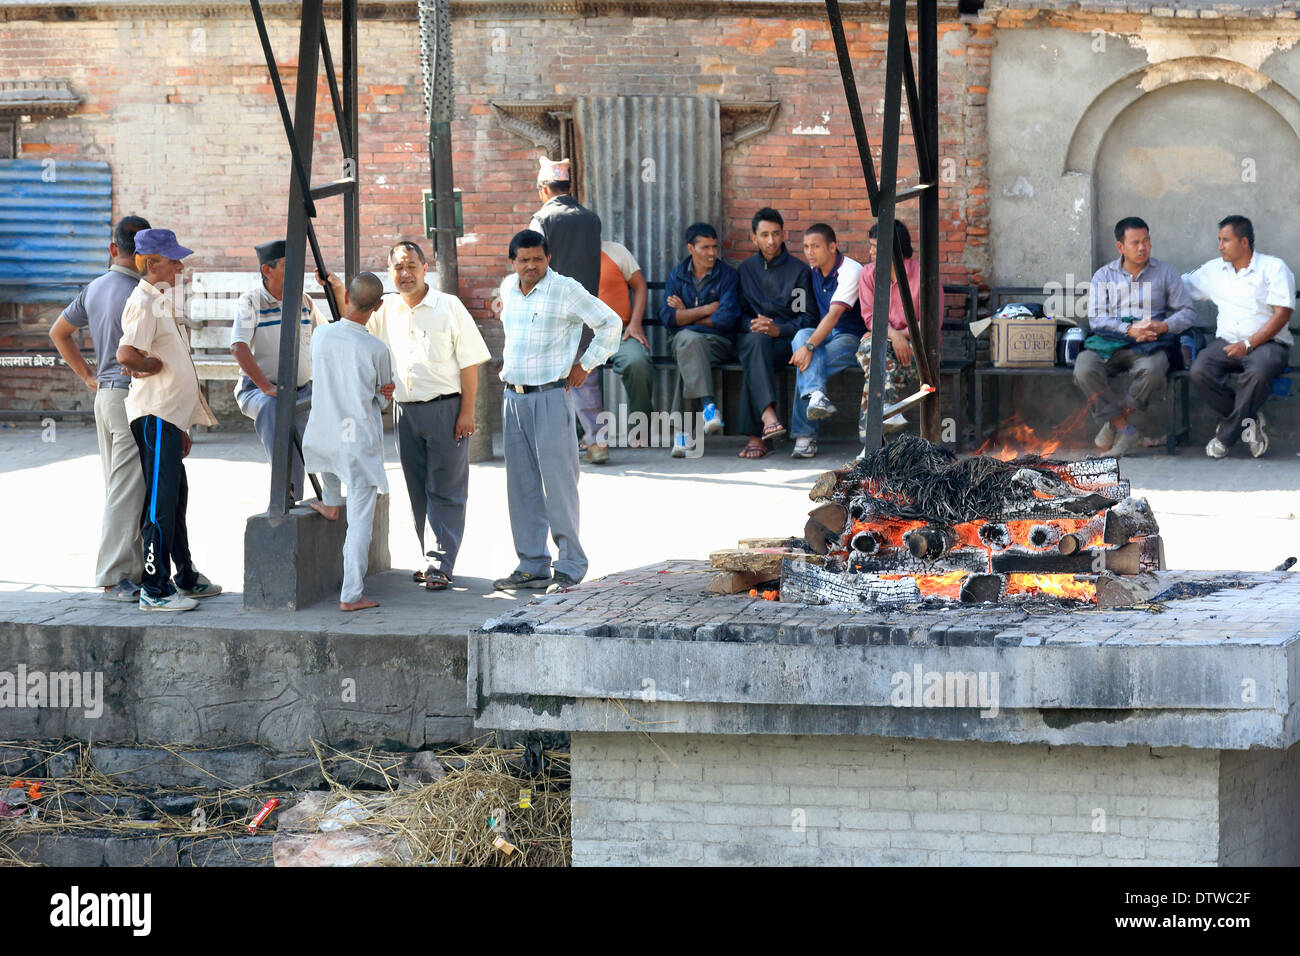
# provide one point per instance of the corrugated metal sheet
(648, 205)
(55, 226)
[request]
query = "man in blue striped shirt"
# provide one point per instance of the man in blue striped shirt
(542, 315)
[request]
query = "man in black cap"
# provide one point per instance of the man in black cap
(255, 343)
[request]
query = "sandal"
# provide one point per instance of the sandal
(755, 451)
(774, 430)
(435, 580)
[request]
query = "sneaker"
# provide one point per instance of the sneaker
(819, 406)
(1259, 444)
(1216, 448)
(804, 448)
(679, 444)
(125, 592)
(597, 455)
(1106, 437)
(712, 422)
(172, 602)
(203, 588)
(561, 582)
(521, 580)
(1125, 441)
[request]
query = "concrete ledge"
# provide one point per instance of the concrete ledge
(293, 561)
(1099, 678)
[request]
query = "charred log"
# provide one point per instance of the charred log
(981, 588)
(1129, 519)
(929, 543)
(825, 527)
(1078, 540)
(995, 535)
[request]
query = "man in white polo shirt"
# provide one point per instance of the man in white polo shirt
(163, 402)
(255, 344)
(436, 351)
(1254, 294)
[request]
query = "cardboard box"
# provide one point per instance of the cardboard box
(1023, 343)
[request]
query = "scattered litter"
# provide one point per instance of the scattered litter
(262, 814)
(525, 798)
(504, 845)
(341, 814)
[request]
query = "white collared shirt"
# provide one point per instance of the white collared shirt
(431, 343)
(1245, 299)
(258, 324)
(151, 325)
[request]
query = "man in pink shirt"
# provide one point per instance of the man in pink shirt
(900, 371)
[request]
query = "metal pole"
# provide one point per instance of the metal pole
(439, 97)
(351, 163)
(295, 253)
(885, 245)
(855, 104)
(927, 123)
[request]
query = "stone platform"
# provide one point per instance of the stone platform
(706, 727)
(391, 677)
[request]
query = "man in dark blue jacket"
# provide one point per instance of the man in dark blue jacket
(776, 301)
(701, 308)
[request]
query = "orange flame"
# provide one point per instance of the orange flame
(1016, 438)
(946, 585)
(1051, 585)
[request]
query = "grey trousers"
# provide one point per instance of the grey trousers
(121, 553)
(1095, 377)
(436, 469)
(542, 480)
(1255, 373)
(696, 353)
(261, 409)
(360, 515)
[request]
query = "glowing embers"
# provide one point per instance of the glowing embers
(916, 523)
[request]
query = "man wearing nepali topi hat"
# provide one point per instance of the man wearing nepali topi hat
(255, 344)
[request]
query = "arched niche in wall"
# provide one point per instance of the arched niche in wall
(1184, 143)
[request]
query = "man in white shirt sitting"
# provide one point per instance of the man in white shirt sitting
(1254, 294)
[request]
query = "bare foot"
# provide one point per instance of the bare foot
(330, 513)
(361, 605)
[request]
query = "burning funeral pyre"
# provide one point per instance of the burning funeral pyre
(914, 522)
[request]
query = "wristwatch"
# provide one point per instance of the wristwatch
(1248, 346)
(810, 345)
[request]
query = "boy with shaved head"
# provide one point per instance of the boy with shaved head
(344, 440)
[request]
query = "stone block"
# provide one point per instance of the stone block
(296, 560)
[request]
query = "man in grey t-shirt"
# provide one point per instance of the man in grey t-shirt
(98, 307)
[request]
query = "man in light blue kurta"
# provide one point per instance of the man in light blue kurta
(344, 440)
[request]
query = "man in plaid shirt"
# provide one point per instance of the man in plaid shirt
(542, 313)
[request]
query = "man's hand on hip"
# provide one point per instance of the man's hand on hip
(186, 444)
(577, 375)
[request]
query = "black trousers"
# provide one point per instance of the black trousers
(762, 357)
(1255, 370)
(166, 493)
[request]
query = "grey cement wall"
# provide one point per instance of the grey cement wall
(1259, 793)
(714, 800)
(1156, 123)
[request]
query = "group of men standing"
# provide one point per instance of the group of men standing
(1139, 308)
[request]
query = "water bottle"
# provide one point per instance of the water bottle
(1071, 345)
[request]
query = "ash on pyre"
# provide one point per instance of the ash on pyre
(913, 522)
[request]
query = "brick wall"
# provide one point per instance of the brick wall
(1258, 794)
(195, 141)
(872, 801)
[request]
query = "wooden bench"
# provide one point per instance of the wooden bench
(1178, 394)
(957, 356)
(212, 302)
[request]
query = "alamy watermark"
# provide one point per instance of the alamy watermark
(923, 688)
(64, 689)
(622, 429)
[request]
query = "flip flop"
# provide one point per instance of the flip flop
(774, 430)
(754, 451)
(436, 581)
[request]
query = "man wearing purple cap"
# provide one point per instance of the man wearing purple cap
(163, 402)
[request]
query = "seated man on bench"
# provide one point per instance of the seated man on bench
(1137, 308)
(1254, 294)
